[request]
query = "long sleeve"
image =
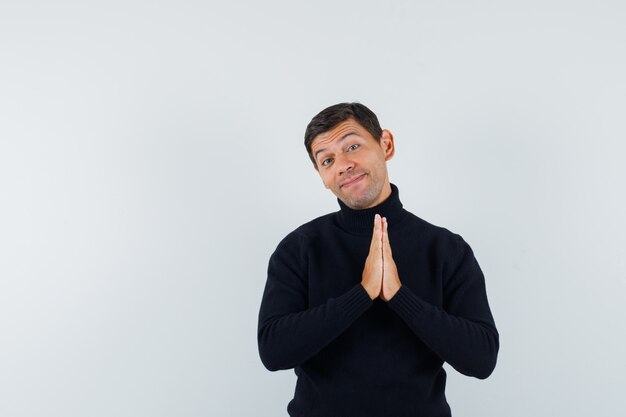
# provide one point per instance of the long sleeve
(289, 332)
(463, 332)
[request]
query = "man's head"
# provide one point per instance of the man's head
(350, 152)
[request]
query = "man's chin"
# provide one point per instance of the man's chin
(356, 203)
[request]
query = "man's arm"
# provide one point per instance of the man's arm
(289, 332)
(463, 332)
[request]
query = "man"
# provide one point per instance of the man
(368, 302)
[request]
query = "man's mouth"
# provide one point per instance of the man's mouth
(352, 181)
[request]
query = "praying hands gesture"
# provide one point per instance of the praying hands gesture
(380, 275)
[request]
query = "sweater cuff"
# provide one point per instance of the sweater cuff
(354, 302)
(406, 303)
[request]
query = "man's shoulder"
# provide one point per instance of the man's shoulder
(435, 233)
(310, 230)
(317, 224)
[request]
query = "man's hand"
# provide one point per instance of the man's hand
(380, 275)
(372, 277)
(391, 280)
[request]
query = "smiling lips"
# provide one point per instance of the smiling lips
(352, 181)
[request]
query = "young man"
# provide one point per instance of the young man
(368, 302)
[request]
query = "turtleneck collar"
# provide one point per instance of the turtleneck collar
(362, 221)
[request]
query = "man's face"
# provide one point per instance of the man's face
(353, 165)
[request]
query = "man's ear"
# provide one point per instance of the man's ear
(386, 143)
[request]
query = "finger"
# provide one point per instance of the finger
(385, 240)
(379, 232)
(376, 233)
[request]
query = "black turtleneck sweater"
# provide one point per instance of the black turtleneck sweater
(358, 357)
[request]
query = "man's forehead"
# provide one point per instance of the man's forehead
(336, 132)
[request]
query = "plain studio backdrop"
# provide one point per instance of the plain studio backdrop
(151, 159)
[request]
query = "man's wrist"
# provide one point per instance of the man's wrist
(371, 293)
(394, 292)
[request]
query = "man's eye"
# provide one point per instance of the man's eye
(352, 147)
(326, 161)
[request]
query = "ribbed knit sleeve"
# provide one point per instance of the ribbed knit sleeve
(289, 331)
(462, 332)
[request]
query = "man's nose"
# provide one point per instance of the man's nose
(345, 164)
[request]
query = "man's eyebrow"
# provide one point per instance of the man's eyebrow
(341, 139)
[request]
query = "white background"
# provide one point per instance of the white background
(151, 159)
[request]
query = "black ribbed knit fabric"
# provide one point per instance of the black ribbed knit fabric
(355, 357)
